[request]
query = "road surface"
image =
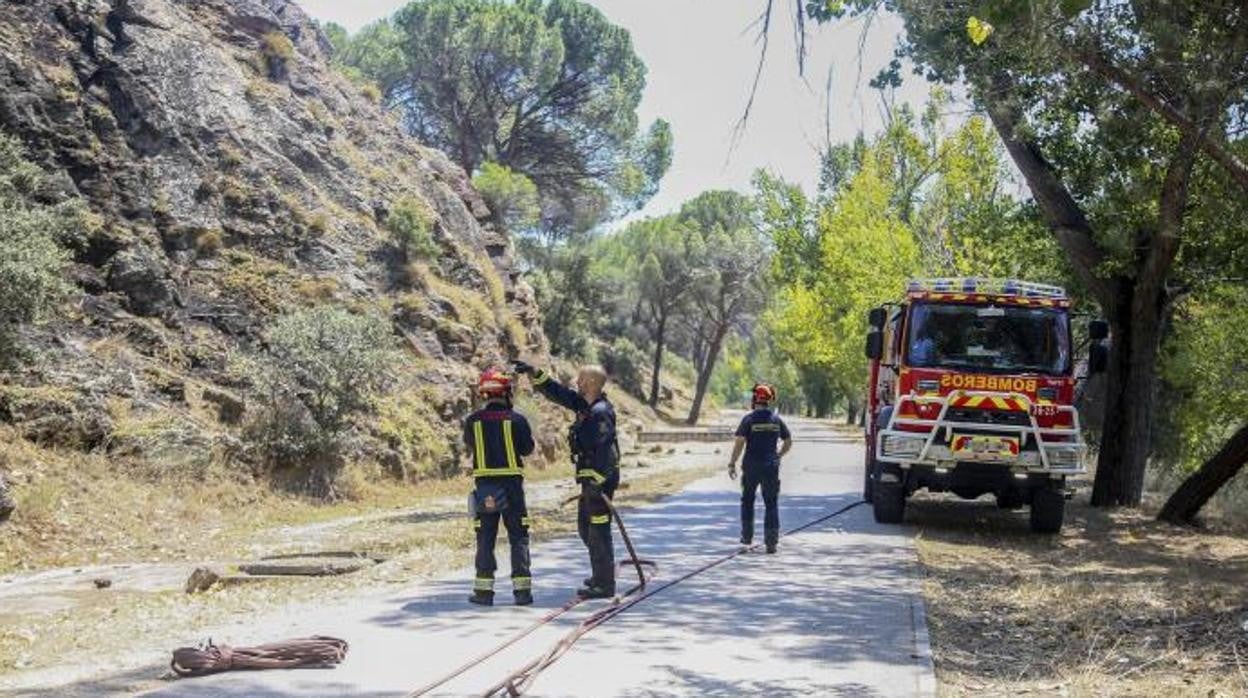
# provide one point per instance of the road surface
(836, 612)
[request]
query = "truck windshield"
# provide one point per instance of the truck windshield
(989, 338)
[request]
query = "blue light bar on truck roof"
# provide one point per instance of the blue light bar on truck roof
(1001, 287)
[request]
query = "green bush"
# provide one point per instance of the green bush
(511, 196)
(625, 363)
(411, 224)
(32, 257)
(324, 366)
(277, 50)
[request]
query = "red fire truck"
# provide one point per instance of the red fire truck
(972, 392)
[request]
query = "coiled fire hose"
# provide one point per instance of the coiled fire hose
(288, 654)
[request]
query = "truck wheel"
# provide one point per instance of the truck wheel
(1010, 500)
(1048, 509)
(888, 499)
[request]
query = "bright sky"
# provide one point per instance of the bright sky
(702, 55)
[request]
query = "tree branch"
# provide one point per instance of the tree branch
(1064, 215)
(1212, 146)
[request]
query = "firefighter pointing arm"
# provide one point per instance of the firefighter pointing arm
(596, 457)
(758, 435)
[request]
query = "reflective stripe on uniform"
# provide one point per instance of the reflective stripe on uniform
(600, 519)
(478, 439)
(483, 584)
(510, 445)
(593, 475)
(481, 468)
(522, 583)
(524, 521)
(476, 523)
(765, 427)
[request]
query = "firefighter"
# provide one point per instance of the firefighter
(596, 458)
(757, 435)
(498, 438)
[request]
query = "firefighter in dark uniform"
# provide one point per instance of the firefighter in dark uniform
(596, 457)
(758, 435)
(498, 438)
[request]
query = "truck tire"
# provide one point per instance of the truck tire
(1048, 510)
(888, 500)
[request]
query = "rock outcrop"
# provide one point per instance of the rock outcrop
(235, 176)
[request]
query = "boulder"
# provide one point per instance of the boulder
(142, 277)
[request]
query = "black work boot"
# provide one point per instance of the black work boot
(482, 598)
(523, 597)
(596, 591)
(771, 548)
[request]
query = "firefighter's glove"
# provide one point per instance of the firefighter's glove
(523, 368)
(591, 490)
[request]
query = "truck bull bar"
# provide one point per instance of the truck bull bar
(908, 448)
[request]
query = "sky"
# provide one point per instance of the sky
(702, 55)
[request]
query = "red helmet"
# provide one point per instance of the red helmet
(494, 383)
(764, 394)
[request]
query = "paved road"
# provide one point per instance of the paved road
(836, 612)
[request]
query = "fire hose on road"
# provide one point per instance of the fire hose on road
(637, 563)
(520, 680)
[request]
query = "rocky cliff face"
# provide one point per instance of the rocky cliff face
(235, 177)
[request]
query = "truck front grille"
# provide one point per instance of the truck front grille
(1003, 417)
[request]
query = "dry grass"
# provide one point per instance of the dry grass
(1118, 604)
(423, 537)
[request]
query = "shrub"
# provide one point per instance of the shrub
(209, 242)
(277, 50)
(324, 366)
(371, 92)
(624, 362)
(31, 256)
(411, 224)
(511, 196)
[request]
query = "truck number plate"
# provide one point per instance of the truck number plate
(978, 446)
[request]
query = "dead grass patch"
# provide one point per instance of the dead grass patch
(1118, 604)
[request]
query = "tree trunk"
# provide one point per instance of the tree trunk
(1130, 391)
(851, 411)
(1200, 486)
(659, 337)
(704, 373)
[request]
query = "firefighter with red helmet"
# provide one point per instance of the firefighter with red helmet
(758, 434)
(498, 438)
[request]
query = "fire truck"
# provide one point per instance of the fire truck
(972, 391)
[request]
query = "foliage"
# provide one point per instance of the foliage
(411, 224)
(511, 196)
(625, 363)
(32, 254)
(1120, 175)
(917, 199)
(549, 88)
(1205, 367)
(277, 51)
(323, 366)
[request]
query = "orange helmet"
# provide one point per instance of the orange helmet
(494, 383)
(764, 394)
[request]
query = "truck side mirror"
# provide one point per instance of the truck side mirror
(1098, 358)
(877, 317)
(1098, 330)
(875, 345)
